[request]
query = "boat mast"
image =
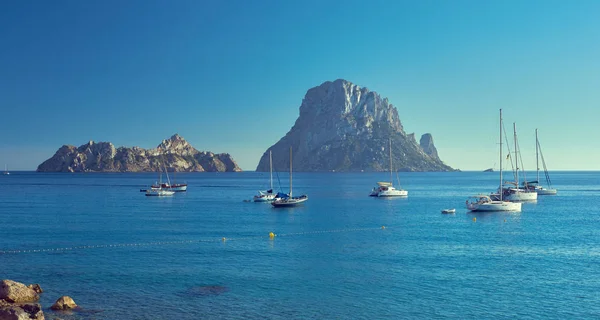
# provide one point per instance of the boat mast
(500, 189)
(271, 167)
(290, 172)
(537, 160)
(516, 157)
(391, 177)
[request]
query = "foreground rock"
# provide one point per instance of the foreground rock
(175, 153)
(35, 287)
(64, 303)
(20, 311)
(16, 292)
(344, 127)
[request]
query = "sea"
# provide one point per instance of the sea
(208, 254)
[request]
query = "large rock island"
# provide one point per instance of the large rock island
(344, 127)
(175, 153)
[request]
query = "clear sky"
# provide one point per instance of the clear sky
(229, 76)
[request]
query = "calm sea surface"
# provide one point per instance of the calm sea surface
(122, 255)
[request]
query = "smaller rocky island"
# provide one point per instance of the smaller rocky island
(174, 153)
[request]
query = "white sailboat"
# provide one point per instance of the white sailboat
(534, 185)
(6, 170)
(485, 203)
(514, 193)
(267, 195)
(157, 190)
(386, 189)
(289, 201)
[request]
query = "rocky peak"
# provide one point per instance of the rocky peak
(176, 144)
(427, 145)
(345, 127)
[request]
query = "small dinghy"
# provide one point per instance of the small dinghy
(449, 211)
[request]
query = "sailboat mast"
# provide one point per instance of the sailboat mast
(537, 160)
(516, 156)
(391, 177)
(500, 189)
(290, 172)
(271, 167)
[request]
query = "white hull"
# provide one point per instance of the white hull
(159, 193)
(494, 206)
(391, 192)
(289, 202)
(264, 198)
(515, 195)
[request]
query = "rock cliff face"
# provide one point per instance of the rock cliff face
(344, 127)
(176, 153)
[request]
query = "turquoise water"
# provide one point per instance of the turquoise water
(122, 255)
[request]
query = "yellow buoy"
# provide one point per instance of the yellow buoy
(474, 219)
(271, 235)
(224, 239)
(382, 227)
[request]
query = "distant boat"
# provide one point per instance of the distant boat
(267, 195)
(386, 189)
(534, 185)
(489, 170)
(485, 203)
(449, 211)
(177, 187)
(157, 190)
(289, 200)
(6, 170)
(514, 192)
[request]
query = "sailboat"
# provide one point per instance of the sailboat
(267, 195)
(534, 185)
(289, 201)
(386, 189)
(177, 187)
(6, 170)
(514, 193)
(157, 190)
(483, 202)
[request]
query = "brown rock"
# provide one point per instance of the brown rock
(64, 303)
(17, 311)
(13, 291)
(35, 287)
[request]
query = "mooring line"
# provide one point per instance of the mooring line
(270, 236)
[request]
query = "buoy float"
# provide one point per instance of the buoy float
(474, 219)
(271, 235)
(224, 239)
(382, 227)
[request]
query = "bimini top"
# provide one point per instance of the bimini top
(384, 184)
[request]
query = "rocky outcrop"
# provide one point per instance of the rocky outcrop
(12, 291)
(344, 127)
(15, 301)
(35, 287)
(20, 311)
(175, 153)
(64, 303)
(426, 144)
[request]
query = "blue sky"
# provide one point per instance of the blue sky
(229, 76)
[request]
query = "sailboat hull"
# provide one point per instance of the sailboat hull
(393, 193)
(289, 202)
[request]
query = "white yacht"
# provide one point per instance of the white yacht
(289, 200)
(513, 192)
(386, 189)
(485, 203)
(482, 202)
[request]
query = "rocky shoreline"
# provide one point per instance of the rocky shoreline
(20, 302)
